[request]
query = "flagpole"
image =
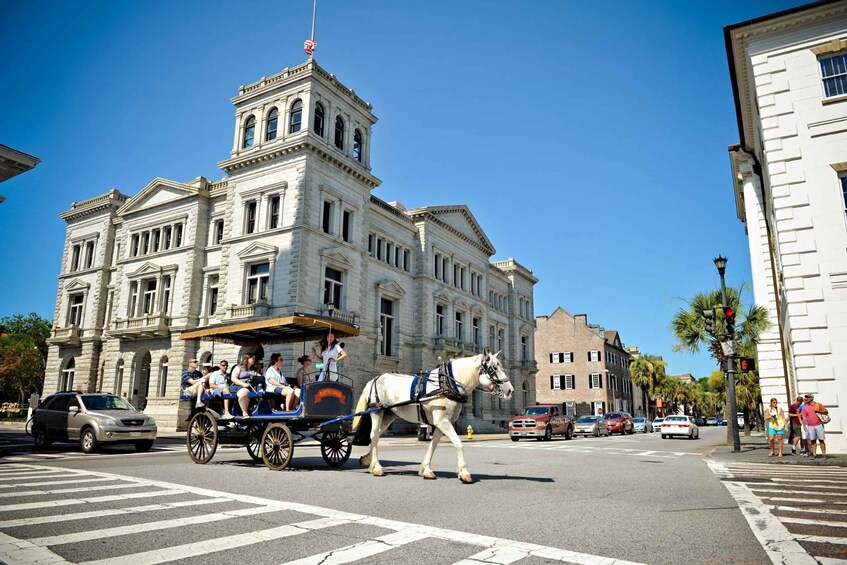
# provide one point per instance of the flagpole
(310, 44)
(314, 16)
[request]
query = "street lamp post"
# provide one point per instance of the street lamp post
(720, 263)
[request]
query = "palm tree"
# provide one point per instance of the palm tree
(689, 328)
(647, 371)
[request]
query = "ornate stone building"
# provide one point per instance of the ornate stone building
(292, 228)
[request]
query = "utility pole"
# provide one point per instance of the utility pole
(729, 353)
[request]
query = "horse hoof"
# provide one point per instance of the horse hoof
(430, 476)
(365, 461)
(378, 472)
(466, 478)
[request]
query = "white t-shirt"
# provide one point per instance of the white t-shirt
(329, 366)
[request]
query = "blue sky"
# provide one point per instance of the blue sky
(588, 138)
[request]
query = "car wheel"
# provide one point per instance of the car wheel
(88, 441)
(515, 438)
(143, 445)
(41, 439)
(548, 433)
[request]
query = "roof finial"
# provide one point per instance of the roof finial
(310, 44)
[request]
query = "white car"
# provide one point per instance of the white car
(657, 424)
(680, 426)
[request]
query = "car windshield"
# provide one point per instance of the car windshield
(105, 402)
(536, 411)
(676, 419)
(639, 420)
(586, 420)
(659, 420)
(612, 416)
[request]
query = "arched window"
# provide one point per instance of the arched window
(119, 377)
(357, 145)
(296, 116)
(319, 120)
(163, 376)
(339, 132)
(273, 120)
(68, 374)
(206, 360)
(249, 132)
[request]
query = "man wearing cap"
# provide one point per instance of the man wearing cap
(813, 424)
(795, 433)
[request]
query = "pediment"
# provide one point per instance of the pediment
(77, 284)
(460, 219)
(441, 297)
(150, 269)
(391, 287)
(334, 255)
(475, 307)
(257, 248)
(158, 192)
(460, 304)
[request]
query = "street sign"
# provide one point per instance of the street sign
(729, 347)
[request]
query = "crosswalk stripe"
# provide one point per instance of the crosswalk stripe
(109, 512)
(815, 481)
(808, 522)
(14, 551)
(804, 500)
(62, 482)
(93, 499)
(33, 475)
(206, 547)
(361, 550)
(822, 539)
(37, 492)
(770, 488)
(90, 535)
(827, 511)
(499, 555)
(831, 561)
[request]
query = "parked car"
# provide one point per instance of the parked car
(91, 419)
(699, 421)
(721, 422)
(620, 422)
(712, 421)
(680, 426)
(657, 423)
(642, 425)
(542, 422)
(591, 426)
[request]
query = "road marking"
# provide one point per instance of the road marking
(822, 539)
(63, 482)
(93, 499)
(831, 561)
(589, 449)
(827, 511)
(14, 551)
(34, 475)
(499, 555)
(769, 488)
(361, 550)
(808, 522)
(775, 539)
(63, 490)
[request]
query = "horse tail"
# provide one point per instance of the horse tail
(363, 404)
(362, 427)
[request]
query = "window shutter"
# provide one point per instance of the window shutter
(551, 381)
(590, 382)
(551, 361)
(589, 356)
(600, 379)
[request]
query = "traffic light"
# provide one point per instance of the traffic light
(729, 320)
(746, 364)
(709, 319)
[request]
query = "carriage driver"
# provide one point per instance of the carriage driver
(275, 382)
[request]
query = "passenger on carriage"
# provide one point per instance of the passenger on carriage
(275, 382)
(193, 382)
(218, 385)
(331, 352)
(241, 382)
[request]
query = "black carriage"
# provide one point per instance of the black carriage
(269, 433)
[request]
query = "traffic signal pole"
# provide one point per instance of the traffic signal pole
(729, 362)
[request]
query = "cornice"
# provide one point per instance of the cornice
(301, 145)
(112, 199)
(427, 216)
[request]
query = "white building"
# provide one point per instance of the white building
(293, 228)
(789, 173)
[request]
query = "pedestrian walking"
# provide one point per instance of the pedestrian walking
(794, 425)
(776, 427)
(813, 416)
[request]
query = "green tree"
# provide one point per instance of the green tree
(648, 371)
(689, 329)
(23, 355)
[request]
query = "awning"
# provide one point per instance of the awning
(287, 329)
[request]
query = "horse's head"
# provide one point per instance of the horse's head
(492, 376)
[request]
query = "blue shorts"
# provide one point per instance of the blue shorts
(233, 389)
(773, 432)
(217, 392)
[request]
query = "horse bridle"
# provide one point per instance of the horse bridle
(484, 367)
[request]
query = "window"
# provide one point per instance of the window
(844, 190)
(218, 232)
(274, 207)
(148, 305)
(475, 329)
(145, 243)
(379, 247)
(319, 120)
(296, 116)
(167, 233)
(250, 217)
(491, 333)
(594, 381)
(89, 254)
(569, 409)
(212, 297)
(339, 132)
(594, 356)
(163, 376)
(133, 246)
(332, 287)
(178, 235)
(119, 377)
(326, 218)
(570, 383)
(257, 283)
(437, 266)
(556, 382)
(524, 348)
(834, 73)
(132, 306)
(68, 375)
(156, 240)
(386, 327)
(272, 124)
(501, 339)
(460, 328)
(389, 252)
(406, 256)
(249, 132)
(166, 294)
(439, 319)
(357, 145)
(76, 302)
(75, 253)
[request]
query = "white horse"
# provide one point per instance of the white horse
(462, 377)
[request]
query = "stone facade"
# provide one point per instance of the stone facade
(788, 174)
(292, 228)
(582, 366)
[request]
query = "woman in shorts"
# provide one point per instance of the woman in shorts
(776, 427)
(275, 382)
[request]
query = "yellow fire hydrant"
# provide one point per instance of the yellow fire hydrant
(470, 432)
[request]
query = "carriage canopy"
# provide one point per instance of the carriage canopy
(285, 329)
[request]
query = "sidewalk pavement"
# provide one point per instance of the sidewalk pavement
(755, 449)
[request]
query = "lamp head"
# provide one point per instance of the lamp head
(720, 263)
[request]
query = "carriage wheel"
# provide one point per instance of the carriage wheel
(254, 442)
(277, 446)
(335, 448)
(202, 437)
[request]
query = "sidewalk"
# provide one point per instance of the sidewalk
(755, 448)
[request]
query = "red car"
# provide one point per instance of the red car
(619, 422)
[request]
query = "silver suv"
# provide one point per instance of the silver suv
(92, 419)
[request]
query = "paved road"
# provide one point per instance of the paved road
(635, 499)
